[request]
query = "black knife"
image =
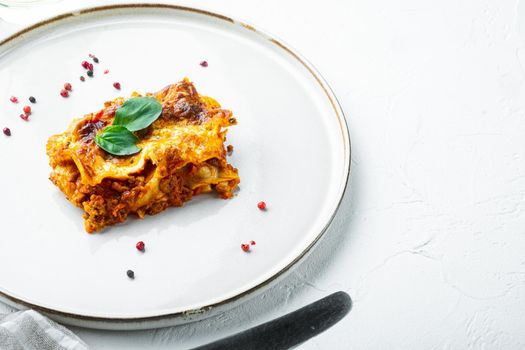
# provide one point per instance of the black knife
(289, 330)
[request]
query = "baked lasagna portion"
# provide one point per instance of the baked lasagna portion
(182, 154)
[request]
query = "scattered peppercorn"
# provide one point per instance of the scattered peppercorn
(204, 64)
(90, 73)
(140, 246)
(27, 110)
(95, 59)
(106, 71)
(82, 78)
(245, 247)
(85, 64)
(13, 99)
(232, 120)
(24, 117)
(91, 55)
(229, 149)
(64, 93)
(116, 86)
(7, 131)
(252, 242)
(261, 205)
(68, 86)
(130, 274)
(32, 99)
(90, 66)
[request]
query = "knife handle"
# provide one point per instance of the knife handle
(289, 330)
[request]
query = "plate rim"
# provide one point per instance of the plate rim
(201, 312)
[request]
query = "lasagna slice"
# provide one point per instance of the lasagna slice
(182, 155)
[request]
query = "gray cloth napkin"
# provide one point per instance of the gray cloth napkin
(29, 330)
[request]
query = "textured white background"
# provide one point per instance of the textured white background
(430, 239)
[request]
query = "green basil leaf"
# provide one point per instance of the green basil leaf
(138, 113)
(117, 140)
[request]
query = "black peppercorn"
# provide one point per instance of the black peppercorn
(90, 73)
(130, 274)
(32, 99)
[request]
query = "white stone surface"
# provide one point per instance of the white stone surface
(430, 239)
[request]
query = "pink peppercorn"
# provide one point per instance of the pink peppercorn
(82, 78)
(13, 99)
(116, 85)
(68, 86)
(85, 64)
(245, 247)
(7, 131)
(27, 110)
(252, 242)
(140, 246)
(204, 64)
(106, 71)
(261, 205)
(64, 93)
(24, 117)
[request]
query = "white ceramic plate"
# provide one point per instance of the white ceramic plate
(291, 148)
